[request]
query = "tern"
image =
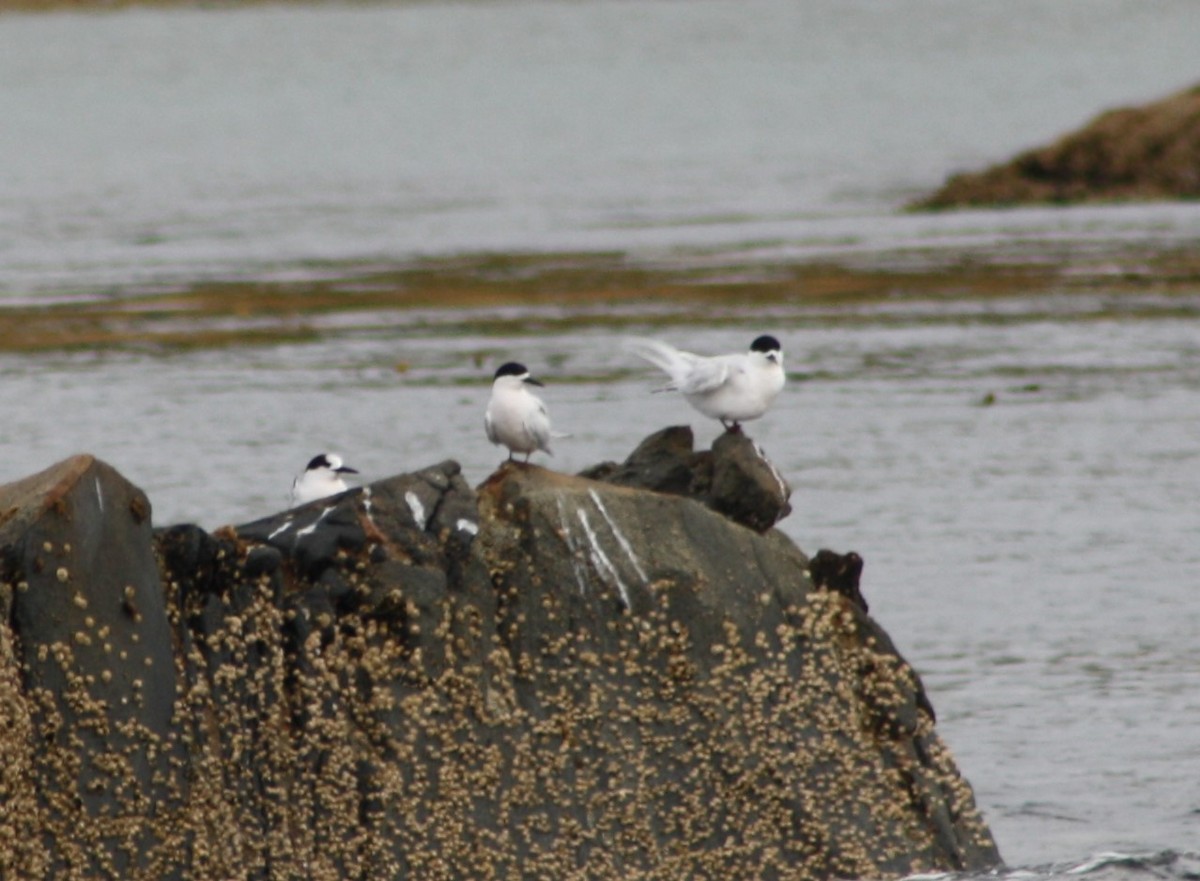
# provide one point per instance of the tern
(515, 416)
(322, 477)
(731, 388)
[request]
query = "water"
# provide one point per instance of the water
(1035, 558)
(154, 147)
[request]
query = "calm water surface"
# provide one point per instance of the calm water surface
(149, 146)
(1036, 558)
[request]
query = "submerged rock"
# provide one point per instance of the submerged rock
(1133, 153)
(547, 676)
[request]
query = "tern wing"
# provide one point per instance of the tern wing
(489, 428)
(705, 375)
(538, 426)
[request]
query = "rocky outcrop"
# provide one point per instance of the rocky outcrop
(87, 675)
(734, 478)
(1137, 153)
(548, 676)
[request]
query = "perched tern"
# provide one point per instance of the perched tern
(516, 417)
(731, 388)
(322, 477)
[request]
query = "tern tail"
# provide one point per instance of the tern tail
(666, 358)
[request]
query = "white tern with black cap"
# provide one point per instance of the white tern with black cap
(731, 388)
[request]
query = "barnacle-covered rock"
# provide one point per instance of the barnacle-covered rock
(548, 676)
(687, 673)
(89, 675)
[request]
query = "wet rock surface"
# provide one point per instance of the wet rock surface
(547, 676)
(1133, 153)
(734, 478)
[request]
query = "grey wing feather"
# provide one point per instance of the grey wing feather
(704, 376)
(538, 427)
(487, 427)
(666, 358)
(684, 368)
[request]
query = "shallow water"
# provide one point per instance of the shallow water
(154, 146)
(1035, 558)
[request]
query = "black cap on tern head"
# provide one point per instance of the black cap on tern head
(330, 461)
(766, 343)
(513, 368)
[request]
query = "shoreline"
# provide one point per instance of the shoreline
(214, 314)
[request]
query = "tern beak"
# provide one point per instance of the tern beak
(345, 469)
(529, 380)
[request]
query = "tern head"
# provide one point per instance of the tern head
(769, 348)
(331, 462)
(514, 374)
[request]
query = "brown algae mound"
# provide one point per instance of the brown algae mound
(1129, 154)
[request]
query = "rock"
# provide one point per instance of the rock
(666, 461)
(840, 573)
(94, 670)
(1137, 153)
(746, 487)
(670, 646)
(735, 477)
(560, 676)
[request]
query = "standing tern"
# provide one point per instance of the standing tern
(516, 417)
(731, 388)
